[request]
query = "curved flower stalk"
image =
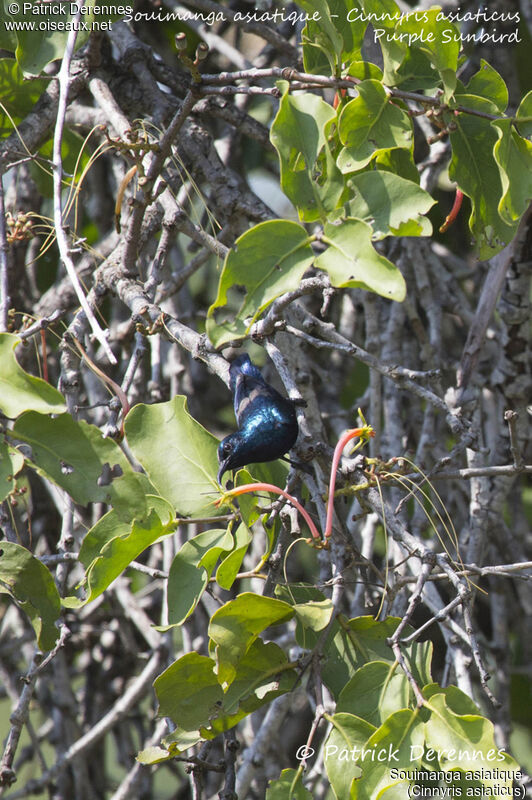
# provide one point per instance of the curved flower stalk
(364, 434)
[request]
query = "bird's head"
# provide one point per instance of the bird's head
(230, 453)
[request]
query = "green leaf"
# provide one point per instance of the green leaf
(235, 626)
(178, 454)
(11, 462)
(352, 261)
(18, 96)
(309, 176)
(416, 73)
(389, 204)
(513, 154)
(433, 34)
(463, 741)
(38, 45)
(375, 691)
(456, 699)
(20, 391)
(190, 572)
(370, 124)
(287, 787)
(396, 743)
(322, 41)
(267, 261)
(120, 544)
(314, 615)
(348, 735)
(188, 691)
(358, 641)
(154, 755)
(487, 83)
(31, 585)
(75, 456)
(524, 115)
(228, 569)
(180, 740)
(364, 70)
(400, 162)
(8, 39)
(386, 14)
(36, 48)
(476, 172)
(263, 674)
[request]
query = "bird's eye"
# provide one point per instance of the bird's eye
(226, 448)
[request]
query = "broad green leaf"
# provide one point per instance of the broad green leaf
(173, 745)
(263, 674)
(313, 611)
(384, 15)
(190, 572)
(400, 162)
(18, 96)
(121, 549)
(110, 526)
(11, 462)
(180, 740)
(309, 175)
(8, 39)
(20, 391)
(487, 83)
(416, 73)
(353, 643)
(314, 614)
(235, 626)
(321, 37)
(75, 456)
(334, 38)
(369, 124)
(463, 741)
(524, 115)
(298, 593)
(31, 585)
(154, 755)
(188, 691)
(513, 154)
(393, 744)
(287, 787)
(38, 46)
(348, 736)
(456, 699)
(375, 691)
(437, 38)
(364, 70)
(228, 569)
(178, 454)
(267, 261)
(352, 261)
(36, 43)
(389, 203)
(476, 173)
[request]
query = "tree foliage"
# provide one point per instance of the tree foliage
(364, 604)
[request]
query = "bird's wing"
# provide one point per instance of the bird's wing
(249, 393)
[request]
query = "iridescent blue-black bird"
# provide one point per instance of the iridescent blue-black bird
(267, 422)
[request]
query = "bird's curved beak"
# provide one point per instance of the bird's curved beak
(223, 468)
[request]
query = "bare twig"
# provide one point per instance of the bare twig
(123, 705)
(17, 719)
(4, 286)
(62, 242)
